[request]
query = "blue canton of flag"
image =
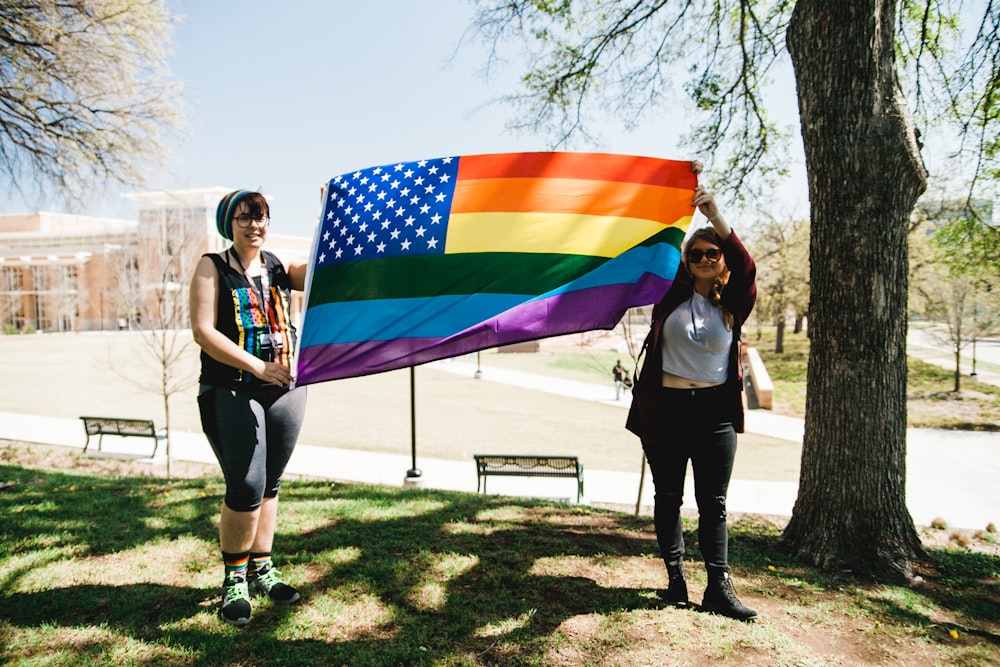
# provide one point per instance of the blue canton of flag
(387, 211)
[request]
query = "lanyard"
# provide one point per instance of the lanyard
(694, 326)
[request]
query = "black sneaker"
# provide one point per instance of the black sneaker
(267, 583)
(720, 598)
(235, 606)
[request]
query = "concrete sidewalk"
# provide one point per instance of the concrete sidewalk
(950, 475)
(600, 486)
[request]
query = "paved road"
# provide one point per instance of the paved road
(931, 345)
(950, 475)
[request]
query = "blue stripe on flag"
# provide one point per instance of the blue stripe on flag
(442, 316)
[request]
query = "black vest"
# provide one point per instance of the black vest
(240, 315)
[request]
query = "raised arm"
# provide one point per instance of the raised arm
(705, 202)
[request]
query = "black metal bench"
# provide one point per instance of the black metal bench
(526, 465)
(125, 428)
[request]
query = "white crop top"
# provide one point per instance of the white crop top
(695, 342)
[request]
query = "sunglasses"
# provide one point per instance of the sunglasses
(713, 255)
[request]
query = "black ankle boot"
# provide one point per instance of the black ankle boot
(720, 597)
(677, 591)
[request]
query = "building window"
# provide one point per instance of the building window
(11, 299)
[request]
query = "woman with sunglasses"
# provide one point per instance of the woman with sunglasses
(241, 319)
(687, 403)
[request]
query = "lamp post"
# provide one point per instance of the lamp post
(414, 476)
(975, 324)
(989, 223)
(992, 223)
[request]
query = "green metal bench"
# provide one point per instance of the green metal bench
(526, 465)
(124, 428)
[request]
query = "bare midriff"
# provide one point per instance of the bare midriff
(677, 382)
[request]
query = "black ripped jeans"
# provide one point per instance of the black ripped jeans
(692, 430)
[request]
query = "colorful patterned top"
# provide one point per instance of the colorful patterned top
(254, 315)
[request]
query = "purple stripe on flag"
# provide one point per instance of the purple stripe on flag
(540, 318)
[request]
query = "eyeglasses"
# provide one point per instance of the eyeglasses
(713, 255)
(245, 220)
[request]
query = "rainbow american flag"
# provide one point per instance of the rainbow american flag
(425, 260)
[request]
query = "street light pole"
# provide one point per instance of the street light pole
(414, 474)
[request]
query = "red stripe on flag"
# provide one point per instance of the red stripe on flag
(589, 166)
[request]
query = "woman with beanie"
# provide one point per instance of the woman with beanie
(687, 403)
(240, 317)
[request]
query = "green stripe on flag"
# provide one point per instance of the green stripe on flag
(463, 273)
(439, 275)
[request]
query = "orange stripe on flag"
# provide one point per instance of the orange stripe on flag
(561, 195)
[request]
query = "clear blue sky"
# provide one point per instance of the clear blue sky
(283, 96)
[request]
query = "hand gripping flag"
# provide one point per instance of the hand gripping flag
(419, 261)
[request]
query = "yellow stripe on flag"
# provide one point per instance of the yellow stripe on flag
(562, 233)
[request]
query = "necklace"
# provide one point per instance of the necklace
(234, 257)
(265, 286)
(694, 326)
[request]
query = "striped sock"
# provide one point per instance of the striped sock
(236, 564)
(263, 580)
(260, 561)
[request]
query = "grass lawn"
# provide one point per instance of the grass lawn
(102, 569)
(930, 403)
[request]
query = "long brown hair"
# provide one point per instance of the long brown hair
(684, 274)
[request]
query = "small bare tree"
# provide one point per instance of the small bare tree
(10, 296)
(634, 326)
(154, 293)
(955, 273)
(85, 93)
(781, 250)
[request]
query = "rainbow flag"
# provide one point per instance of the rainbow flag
(419, 261)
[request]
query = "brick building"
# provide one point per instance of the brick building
(61, 272)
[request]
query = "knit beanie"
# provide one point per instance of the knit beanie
(224, 213)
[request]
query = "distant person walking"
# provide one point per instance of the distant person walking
(687, 402)
(618, 373)
(240, 316)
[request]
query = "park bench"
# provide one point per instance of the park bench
(124, 428)
(526, 465)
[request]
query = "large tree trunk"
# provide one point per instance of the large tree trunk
(865, 175)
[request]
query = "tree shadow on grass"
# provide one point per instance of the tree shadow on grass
(966, 583)
(102, 515)
(126, 606)
(390, 576)
(402, 537)
(504, 539)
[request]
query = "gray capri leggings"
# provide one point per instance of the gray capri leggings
(253, 433)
